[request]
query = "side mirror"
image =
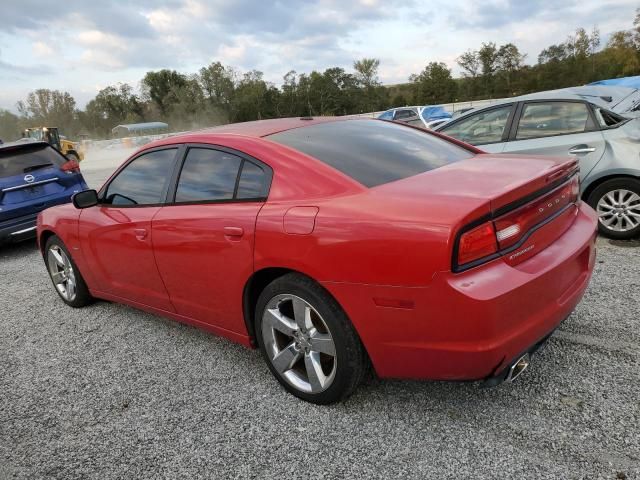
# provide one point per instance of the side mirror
(85, 199)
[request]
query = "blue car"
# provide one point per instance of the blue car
(33, 176)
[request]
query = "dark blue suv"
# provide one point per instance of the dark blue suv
(33, 176)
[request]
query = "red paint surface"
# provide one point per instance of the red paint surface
(384, 253)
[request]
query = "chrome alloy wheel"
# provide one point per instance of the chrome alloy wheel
(298, 343)
(61, 272)
(619, 210)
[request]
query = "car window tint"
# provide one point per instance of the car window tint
(386, 116)
(370, 151)
(482, 127)
(553, 118)
(252, 182)
(207, 175)
(144, 181)
(27, 159)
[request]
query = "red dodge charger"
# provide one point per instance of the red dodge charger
(336, 244)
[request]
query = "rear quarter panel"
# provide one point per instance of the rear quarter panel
(364, 238)
(621, 156)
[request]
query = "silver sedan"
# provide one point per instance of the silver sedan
(606, 143)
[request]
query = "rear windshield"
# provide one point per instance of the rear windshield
(372, 152)
(27, 159)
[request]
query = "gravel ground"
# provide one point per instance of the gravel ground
(110, 392)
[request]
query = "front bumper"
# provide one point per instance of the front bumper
(472, 325)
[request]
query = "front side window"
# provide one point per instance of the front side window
(370, 151)
(143, 181)
(552, 118)
(386, 115)
(481, 128)
(208, 175)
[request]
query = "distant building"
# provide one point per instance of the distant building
(134, 129)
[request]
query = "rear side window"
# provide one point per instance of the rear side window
(208, 175)
(552, 118)
(608, 119)
(372, 152)
(27, 159)
(252, 183)
(144, 181)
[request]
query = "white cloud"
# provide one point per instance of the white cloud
(42, 49)
(120, 41)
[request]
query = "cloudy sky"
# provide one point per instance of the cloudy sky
(83, 46)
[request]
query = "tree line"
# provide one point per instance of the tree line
(219, 94)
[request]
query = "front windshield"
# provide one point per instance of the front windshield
(35, 134)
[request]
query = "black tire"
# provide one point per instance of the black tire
(351, 360)
(82, 296)
(73, 156)
(630, 184)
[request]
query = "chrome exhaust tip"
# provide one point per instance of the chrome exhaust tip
(519, 366)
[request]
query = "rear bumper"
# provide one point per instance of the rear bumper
(473, 325)
(24, 227)
(18, 229)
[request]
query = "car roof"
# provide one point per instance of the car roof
(19, 144)
(262, 128)
(247, 130)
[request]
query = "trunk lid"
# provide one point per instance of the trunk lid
(494, 180)
(498, 190)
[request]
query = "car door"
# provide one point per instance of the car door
(558, 128)
(204, 240)
(115, 235)
(487, 129)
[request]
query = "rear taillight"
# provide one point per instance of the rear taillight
(70, 166)
(506, 231)
(477, 243)
(511, 227)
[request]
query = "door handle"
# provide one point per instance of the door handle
(233, 231)
(141, 233)
(581, 149)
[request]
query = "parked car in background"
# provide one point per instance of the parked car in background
(630, 82)
(426, 117)
(606, 144)
(434, 116)
(618, 98)
(408, 115)
(333, 243)
(33, 176)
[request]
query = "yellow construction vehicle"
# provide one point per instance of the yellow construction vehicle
(72, 150)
